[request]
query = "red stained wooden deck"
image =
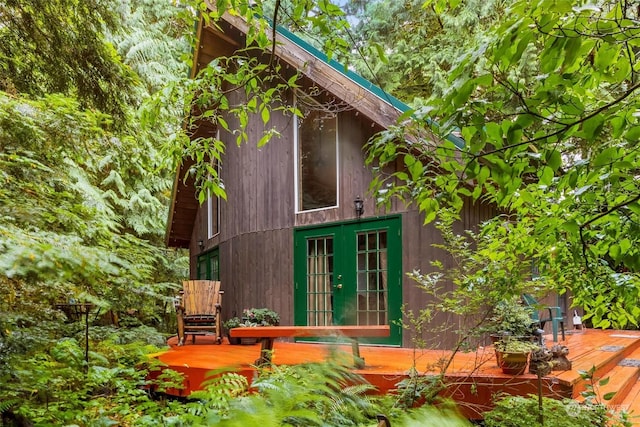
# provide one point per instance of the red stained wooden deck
(473, 378)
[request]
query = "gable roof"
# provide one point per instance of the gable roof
(223, 39)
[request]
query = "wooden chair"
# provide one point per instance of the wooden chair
(554, 315)
(198, 309)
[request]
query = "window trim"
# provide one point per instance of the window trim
(210, 232)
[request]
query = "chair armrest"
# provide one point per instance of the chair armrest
(177, 302)
(555, 312)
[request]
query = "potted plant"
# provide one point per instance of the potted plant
(510, 318)
(510, 321)
(233, 322)
(260, 317)
(513, 354)
(251, 317)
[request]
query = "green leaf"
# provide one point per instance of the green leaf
(223, 123)
(546, 176)
(625, 245)
(606, 55)
(633, 134)
(571, 227)
(252, 103)
(592, 127)
(430, 208)
(606, 157)
(416, 170)
(381, 54)
(463, 93)
(485, 80)
(571, 51)
(264, 140)
(265, 114)
(614, 251)
(409, 160)
(292, 81)
(554, 159)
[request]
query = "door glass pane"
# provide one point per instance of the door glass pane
(372, 278)
(319, 278)
(214, 264)
(202, 268)
(209, 266)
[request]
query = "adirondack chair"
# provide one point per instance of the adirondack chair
(198, 308)
(554, 315)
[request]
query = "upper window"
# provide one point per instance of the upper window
(316, 143)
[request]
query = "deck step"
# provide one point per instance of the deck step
(619, 380)
(613, 360)
(631, 403)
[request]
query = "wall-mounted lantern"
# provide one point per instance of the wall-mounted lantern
(358, 205)
(200, 245)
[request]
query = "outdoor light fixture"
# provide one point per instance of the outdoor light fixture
(200, 244)
(358, 204)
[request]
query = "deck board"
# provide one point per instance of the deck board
(473, 377)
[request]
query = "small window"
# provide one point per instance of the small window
(213, 215)
(213, 208)
(316, 142)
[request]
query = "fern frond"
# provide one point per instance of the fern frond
(228, 384)
(8, 404)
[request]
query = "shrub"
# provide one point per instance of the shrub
(516, 411)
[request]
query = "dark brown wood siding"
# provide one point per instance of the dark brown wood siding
(258, 219)
(256, 237)
(418, 254)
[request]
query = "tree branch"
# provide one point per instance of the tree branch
(611, 210)
(565, 127)
(597, 217)
(274, 26)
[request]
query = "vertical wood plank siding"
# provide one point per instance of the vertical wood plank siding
(258, 219)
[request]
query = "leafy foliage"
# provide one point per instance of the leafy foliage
(511, 317)
(82, 209)
(408, 48)
(491, 269)
(59, 47)
(242, 84)
(547, 110)
(519, 410)
(54, 390)
(153, 41)
(62, 222)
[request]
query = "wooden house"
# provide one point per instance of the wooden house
(290, 236)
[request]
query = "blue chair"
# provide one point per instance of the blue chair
(555, 315)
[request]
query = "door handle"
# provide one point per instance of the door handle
(338, 286)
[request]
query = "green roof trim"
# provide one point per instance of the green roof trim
(356, 78)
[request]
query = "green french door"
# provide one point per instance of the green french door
(208, 267)
(350, 274)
